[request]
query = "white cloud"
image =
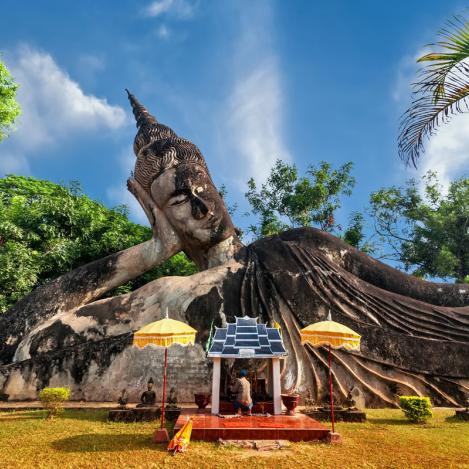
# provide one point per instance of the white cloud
(53, 106)
(254, 111)
(255, 120)
(91, 62)
(180, 9)
(406, 75)
(447, 152)
(159, 7)
(13, 164)
(163, 32)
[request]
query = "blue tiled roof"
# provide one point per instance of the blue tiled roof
(245, 338)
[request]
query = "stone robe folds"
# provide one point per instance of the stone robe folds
(415, 334)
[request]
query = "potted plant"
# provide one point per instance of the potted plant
(202, 399)
(290, 401)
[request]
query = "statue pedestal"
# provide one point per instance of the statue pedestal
(139, 414)
(462, 414)
(340, 415)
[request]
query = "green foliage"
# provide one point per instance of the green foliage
(428, 232)
(9, 108)
(354, 233)
(47, 229)
(440, 92)
(53, 398)
(416, 409)
(286, 200)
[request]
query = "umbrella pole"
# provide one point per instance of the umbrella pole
(330, 390)
(164, 385)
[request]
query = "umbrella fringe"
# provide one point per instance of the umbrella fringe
(164, 341)
(335, 342)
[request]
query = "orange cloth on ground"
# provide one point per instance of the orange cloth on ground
(181, 439)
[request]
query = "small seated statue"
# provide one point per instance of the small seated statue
(148, 397)
(172, 400)
(310, 403)
(350, 401)
(123, 399)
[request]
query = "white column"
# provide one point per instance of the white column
(216, 385)
(270, 388)
(277, 390)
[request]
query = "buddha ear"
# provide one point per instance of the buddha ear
(162, 229)
(143, 198)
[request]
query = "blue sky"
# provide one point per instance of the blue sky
(247, 81)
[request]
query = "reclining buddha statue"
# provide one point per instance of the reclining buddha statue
(415, 334)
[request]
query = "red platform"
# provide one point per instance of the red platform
(299, 427)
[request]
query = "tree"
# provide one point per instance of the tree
(47, 229)
(286, 200)
(354, 234)
(440, 93)
(428, 232)
(9, 108)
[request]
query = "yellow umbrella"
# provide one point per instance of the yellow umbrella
(332, 334)
(164, 333)
(180, 441)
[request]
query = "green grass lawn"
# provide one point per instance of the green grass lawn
(86, 439)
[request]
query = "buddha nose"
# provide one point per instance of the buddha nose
(199, 208)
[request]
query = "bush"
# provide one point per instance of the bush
(416, 409)
(53, 398)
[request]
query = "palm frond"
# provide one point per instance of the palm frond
(426, 113)
(454, 49)
(440, 93)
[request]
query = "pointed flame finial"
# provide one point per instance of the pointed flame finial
(329, 316)
(166, 314)
(142, 116)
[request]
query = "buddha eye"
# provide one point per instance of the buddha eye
(179, 199)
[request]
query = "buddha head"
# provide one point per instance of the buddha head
(150, 384)
(172, 183)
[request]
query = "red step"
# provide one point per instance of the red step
(277, 427)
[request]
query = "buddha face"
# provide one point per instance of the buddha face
(192, 206)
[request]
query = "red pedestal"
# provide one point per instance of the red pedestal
(334, 438)
(208, 427)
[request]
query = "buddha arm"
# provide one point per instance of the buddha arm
(77, 288)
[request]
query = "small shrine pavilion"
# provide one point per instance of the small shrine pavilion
(245, 338)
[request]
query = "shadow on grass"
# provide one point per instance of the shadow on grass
(98, 415)
(381, 421)
(106, 442)
(101, 415)
(454, 419)
(23, 415)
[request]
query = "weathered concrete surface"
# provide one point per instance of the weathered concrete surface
(408, 346)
